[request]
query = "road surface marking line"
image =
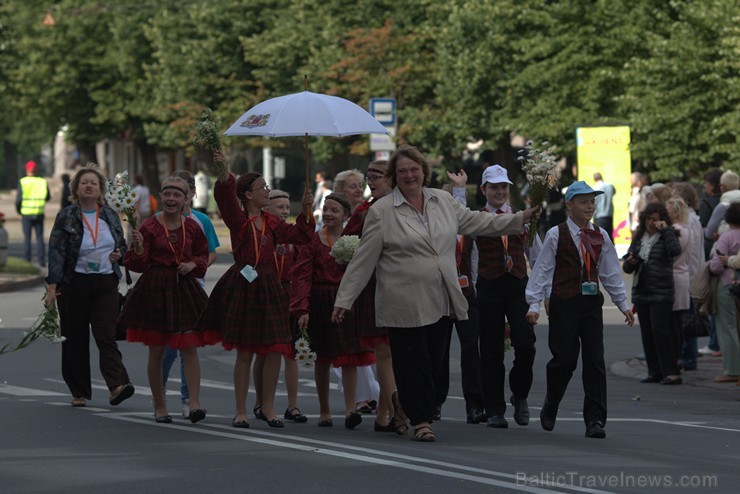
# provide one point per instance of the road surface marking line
(413, 465)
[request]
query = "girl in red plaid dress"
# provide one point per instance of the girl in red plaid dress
(172, 253)
(285, 256)
(249, 305)
(372, 336)
(316, 278)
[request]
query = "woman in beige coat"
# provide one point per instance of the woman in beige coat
(409, 239)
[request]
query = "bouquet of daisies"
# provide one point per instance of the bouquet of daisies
(540, 167)
(46, 325)
(122, 198)
(344, 248)
(303, 353)
(206, 135)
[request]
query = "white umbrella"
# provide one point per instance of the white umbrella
(305, 114)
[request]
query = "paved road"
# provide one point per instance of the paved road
(658, 436)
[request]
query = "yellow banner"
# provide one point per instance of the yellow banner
(606, 150)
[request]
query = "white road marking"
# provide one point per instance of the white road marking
(144, 391)
(19, 391)
(413, 463)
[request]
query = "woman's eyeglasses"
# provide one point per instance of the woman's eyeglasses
(264, 187)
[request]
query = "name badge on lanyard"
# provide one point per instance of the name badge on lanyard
(588, 287)
(464, 282)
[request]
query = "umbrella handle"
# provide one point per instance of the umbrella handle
(309, 213)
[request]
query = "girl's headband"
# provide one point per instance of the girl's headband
(342, 202)
(175, 187)
(280, 196)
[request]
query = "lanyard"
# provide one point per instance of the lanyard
(257, 246)
(328, 238)
(167, 236)
(93, 235)
(282, 264)
(586, 261)
(459, 252)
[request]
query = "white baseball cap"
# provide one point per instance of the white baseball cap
(495, 174)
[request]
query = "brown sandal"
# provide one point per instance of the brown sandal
(400, 420)
(78, 402)
(424, 434)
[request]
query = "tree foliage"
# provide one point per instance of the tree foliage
(459, 69)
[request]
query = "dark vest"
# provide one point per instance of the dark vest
(569, 273)
(491, 263)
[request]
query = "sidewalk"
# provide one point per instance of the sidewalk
(707, 369)
(12, 282)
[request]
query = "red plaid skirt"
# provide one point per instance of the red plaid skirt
(162, 309)
(364, 309)
(338, 344)
(251, 317)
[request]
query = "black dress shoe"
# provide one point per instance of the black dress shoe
(498, 422)
(196, 415)
(521, 410)
(595, 430)
(258, 413)
(295, 415)
(352, 420)
(668, 381)
(276, 423)
(476, 415)
(547, 417)
(240, 424)
(437, 412)
(384, 428)
(165, 419)
(651, 379)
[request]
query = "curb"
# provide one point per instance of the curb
(21, 284)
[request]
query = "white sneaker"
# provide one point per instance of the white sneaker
(705, 350)
(186, 409)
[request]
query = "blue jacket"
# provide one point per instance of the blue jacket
(66, 239)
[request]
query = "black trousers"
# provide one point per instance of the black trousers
(657, 331)
(501, 300)
(90, 301)
(467, 333)
(574, 323)
(418, 355)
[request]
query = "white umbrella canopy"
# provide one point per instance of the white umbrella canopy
(306, 114)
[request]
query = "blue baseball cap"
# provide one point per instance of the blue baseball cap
(579, 188)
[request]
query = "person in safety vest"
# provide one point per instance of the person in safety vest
(33, 192)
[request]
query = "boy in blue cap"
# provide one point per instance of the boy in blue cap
(575, 256)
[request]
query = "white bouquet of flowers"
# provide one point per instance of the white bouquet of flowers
(344, 248)
(541, 170)
(122, 198)
(46, 325)
(303, 353)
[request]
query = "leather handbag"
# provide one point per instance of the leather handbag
(695, 324)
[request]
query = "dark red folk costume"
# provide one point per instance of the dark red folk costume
(370, 334)
(316, 279)
(252, 316)
(163, 307)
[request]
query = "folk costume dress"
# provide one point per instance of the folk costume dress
(285, 256)
(252, 316)
(370, 334)
(163, 306)
(316, 279)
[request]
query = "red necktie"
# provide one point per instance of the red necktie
(505, 240)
